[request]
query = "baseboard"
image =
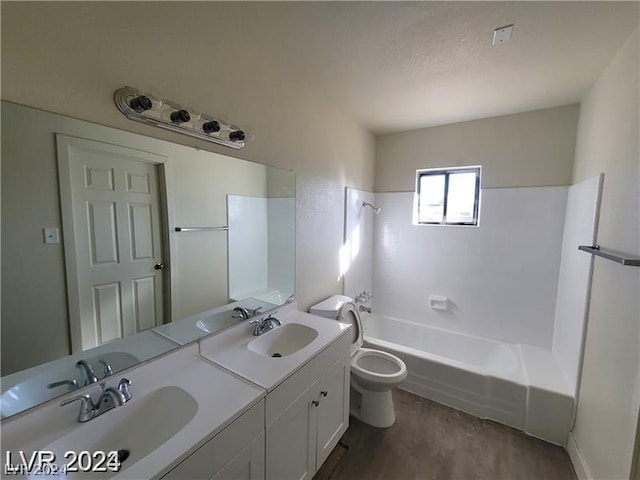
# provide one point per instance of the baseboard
(578, 461)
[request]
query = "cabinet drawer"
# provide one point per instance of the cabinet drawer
(288, 391)
(213, 455)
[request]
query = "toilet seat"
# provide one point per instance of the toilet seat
(348, 313)
(372, 365)
(378, 366)
(374, 373)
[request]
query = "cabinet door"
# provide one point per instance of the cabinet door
(291, 446)
(333, 408)
(235, 452)
(247, 465)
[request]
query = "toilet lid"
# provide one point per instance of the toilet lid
(349, 314)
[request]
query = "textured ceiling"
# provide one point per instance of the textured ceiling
(403, 65)
(391, 66)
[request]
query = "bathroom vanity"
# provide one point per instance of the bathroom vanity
(222, 407)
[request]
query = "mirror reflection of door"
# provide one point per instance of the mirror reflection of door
(113, 244)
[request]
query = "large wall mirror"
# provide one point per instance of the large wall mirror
(118, 247)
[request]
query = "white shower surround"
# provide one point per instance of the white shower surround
(529, 383)
(261, 239)
(501, 278)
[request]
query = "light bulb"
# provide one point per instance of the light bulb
(211, 126)
(179, 116)
(141, 103)
(236, 135)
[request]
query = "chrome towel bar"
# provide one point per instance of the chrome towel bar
(193, 229)
(610, 255)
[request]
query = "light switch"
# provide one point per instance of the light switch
(51, 235)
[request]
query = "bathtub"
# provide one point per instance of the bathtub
(518, 385)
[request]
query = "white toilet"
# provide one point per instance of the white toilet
(373, 372)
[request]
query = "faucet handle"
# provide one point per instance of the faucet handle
(107, 370)
(87, 408)
(71, 384)
(123, 388)
(85, 398)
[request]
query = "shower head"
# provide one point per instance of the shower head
(376, 210)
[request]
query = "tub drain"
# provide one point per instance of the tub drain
(276, 355)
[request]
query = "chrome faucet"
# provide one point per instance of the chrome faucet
(106, 369)
(263, 325)
(109, 399)
(243, 313)
(363, 297)
(88, 374)
(362, 308)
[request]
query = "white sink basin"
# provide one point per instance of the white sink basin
(283, 341)
(140, 426)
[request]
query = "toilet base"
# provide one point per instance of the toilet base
(372, 408)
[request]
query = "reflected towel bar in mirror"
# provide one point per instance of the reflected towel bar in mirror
(193, 229)
(610, 255)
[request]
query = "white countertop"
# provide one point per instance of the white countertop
(185, 330)
(229, 348)
(220, 396)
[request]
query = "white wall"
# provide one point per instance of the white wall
(529, 149)
(200, 182)
(609, 390)
(83, 52)
(574, 282)
(357, 252)
(500, 277)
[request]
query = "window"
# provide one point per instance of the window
(447, 196)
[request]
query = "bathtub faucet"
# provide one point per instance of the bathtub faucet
(362, 308)
(363, 297)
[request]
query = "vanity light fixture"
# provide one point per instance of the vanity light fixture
(146, 108)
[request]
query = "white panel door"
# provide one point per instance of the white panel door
(113, 245)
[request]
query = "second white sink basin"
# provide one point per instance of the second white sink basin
(283, 341)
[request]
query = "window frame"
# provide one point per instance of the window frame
(447, 171)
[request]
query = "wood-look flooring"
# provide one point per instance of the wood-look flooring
(435, 442)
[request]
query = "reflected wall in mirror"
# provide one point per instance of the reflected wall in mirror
(78, 210)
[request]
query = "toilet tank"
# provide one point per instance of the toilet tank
(329, 307)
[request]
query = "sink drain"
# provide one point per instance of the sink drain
(276, 355)
(123, 455)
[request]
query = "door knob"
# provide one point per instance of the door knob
(159, 266)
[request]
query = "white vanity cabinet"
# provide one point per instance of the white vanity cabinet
(237, 452)
(307, 414)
